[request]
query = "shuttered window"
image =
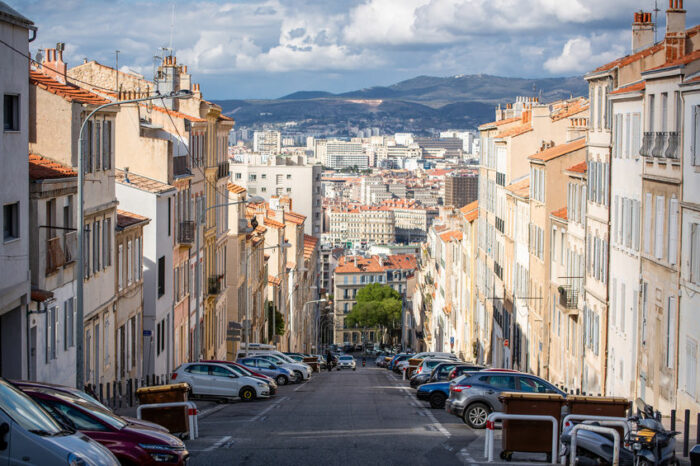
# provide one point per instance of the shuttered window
(673, 231)
(659, 227)
(671, 332)
(647, 223)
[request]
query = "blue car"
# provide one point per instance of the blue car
(398, 358)
(436, 393)
(281, 375)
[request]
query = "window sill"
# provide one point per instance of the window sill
(12, 131)
(12, 240)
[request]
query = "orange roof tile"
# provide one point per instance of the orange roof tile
(141, 182)
(294, 217)
(678, 62)
(560, 213)
(173, 113)
(557, 151)
(310, 243)
(630, 58)
(359, 264)
(470, 211)
(274, 280)
(578, 168)
(234, 188)
(41, 168)
(272, 223)
(579, 106)
(515, 131)
(631, 88)
(450, 235)
(500, 122)
(520, 188)
(68, 91)
(126, 219)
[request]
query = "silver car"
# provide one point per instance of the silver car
(28, 435)
(346, 362)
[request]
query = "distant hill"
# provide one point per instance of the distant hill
(416, 104)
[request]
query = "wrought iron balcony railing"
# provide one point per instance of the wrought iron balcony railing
(70, 247)
(181, 166)
(223, 170)
(215, 284)
(185, 233)
(568, 297)
(55, 257)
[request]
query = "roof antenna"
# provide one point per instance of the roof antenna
(656, 20)
(172, 27)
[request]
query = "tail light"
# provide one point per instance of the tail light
(173, 376)
(459, 388)
(452, 374)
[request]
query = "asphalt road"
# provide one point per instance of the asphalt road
(367, 417)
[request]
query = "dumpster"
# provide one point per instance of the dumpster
(413, 365)
(174, 419)
(599, 406)
(313, 362)
(529, 436)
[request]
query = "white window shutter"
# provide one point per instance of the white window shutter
(636, 135)
(673, 231)
(695, 253)
(613, 302)
(583, 203)
(616, 220)
(628, 223)
(695, 149)
(623, 311)
(635, 225)
(647, 223)
(671, 332)
(659, 227)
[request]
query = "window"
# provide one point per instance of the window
(170, 202)
(504, 382)
(10, 119)
(218, 371)
(659, 227)
(120, 265)
(139, 258)
(530, 385)
(695, 253)
(107, 145)
(161, 276)
(671, 332)
(98, 146)
(80, 420)
(199, 369)
(129, 263)
(106, 242)
(672, 231)
(50, 334)
(10, 220)
(96, 246)
(691, 358)
(238, 176)
(68, 323)
(695, 141)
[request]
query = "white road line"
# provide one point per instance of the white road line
(466, 457)
(427, 412)
(265, 411)
(220, 442)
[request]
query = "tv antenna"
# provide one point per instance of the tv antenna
(656, 19)
(172, 27)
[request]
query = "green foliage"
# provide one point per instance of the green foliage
(377, 306)
(279, 319)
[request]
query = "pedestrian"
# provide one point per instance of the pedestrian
(329, 360)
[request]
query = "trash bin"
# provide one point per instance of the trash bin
(599, 406)
(695, 456)
(175, 418)
(313, 362)
(529, 436)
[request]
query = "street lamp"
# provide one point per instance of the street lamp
(246, 326)
(80, 327)
(322, 300)
(201, 220)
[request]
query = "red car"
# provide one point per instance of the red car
(132, 444)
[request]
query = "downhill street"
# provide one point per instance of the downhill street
(365, 417)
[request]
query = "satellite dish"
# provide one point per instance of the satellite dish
(254, 223)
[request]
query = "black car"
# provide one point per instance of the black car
(461, 369)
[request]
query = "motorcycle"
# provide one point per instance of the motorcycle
(648, 445)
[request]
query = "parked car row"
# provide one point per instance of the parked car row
(469, 391)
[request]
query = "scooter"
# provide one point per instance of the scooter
(363, 362)
(650, 444)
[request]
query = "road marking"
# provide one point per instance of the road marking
(220, 442)
(211, 410)
(436, 424)
(466, 457)
(262, 413)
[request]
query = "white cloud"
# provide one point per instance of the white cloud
(582, 54)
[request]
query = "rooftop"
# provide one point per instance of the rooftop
(560, 213)
(235, 189)
(557, 151)
(578, 168)
(520, 188)
(41, 168)
(500, 122)
(68, 91)
(126, 219)
(470, 211)
(450, 235)
(515, 131)
(376, 264)
(631, 88)
(141, 182)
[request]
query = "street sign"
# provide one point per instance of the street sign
(147, 333)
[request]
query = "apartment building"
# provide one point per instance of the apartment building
(461, 189)
(470, 326)
(355, 272)
(344, 154)
(57, 109)
(267, 142)
(52, 261)
(361, 224)
(15, 30)
(283, 176)
(411, 219)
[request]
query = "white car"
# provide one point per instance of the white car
(218, 380)
(346, 362)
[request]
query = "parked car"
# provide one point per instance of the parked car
(301, 370)
(461, 369)
(282, 375)
(399, 357)
(130, 443)
(475, 395)
(218, 380)
(29, 435)
(22, 384)
(435, 393)
(424, 371)
(346, 362)
(243, 370)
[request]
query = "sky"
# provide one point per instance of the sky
(270, 48)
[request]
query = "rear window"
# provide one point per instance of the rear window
(502, 382)
(197, 369)
(346, 358)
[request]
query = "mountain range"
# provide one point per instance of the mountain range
(416, 104)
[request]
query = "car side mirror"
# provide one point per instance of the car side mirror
(273, 367)
(4, 429)
(232, 376)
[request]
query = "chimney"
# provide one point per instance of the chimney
(642, 31)
(53, 64)
(674, 42)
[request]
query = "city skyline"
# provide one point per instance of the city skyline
(278, 47)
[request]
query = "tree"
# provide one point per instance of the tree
(377, 306)
(279, 319)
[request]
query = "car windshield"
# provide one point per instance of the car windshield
(103, 414)
(346, 358)
(238, 369)
(275, 358)
(25, 412)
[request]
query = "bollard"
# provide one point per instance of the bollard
(686, 432)
(673, 419)
(131, 392)
(114, 394)
(101, 393)
(697, 434)
(109, 400)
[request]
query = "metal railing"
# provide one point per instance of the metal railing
(568, 296)
(223, 170)
(185, 233)
(181, 166)
(493, 417)
(600, 430)
(673, 140)
(70, 246)
(55, 256)
(647, 143)
(215, 284)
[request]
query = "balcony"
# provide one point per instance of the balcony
(55, 257)
(222, 171)
(661, 144)
(568, 297)
(185, 232)
(181, 166)
(70, 240)
(215, 284)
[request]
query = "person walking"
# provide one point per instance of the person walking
(329, 360)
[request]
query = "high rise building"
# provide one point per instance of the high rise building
(267, 142)
(461, 189)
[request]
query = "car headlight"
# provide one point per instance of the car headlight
(75, 460)
(163, 457)
(156, 446)
(262, 385)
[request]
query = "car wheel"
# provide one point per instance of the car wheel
(299, 376)
(476, 414)
(437, 400)
(282, 380)
(247, 394)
